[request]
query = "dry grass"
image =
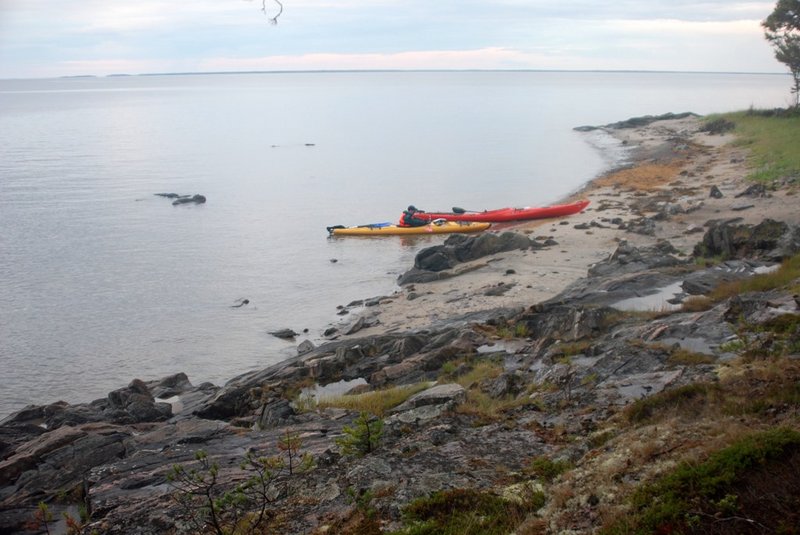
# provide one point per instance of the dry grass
(637, 456)
(684, 357)
(487, 409)
(644, 177)
(478, 404)
(574, 348)
(561, 494)
(697, 303)
(784, 277)
(480, 372)
(376, 402)
(751, 484)
(467, 512)
(685, 424)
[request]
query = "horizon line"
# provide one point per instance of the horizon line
(334, 71)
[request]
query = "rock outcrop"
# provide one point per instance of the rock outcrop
(769, 240)
(439, 261)
(580, 351)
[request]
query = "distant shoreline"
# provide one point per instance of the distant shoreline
(367, 71)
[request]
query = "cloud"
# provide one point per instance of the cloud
(38, 37)
(685, 10)
(486, 58)
(107, 66)
(672, 27)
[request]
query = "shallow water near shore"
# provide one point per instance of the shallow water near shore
(102, 282)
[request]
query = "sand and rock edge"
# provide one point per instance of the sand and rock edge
(661, 193)
(567, 375)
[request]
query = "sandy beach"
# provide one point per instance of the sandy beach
(673, 167)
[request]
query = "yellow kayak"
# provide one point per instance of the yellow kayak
(388, 229)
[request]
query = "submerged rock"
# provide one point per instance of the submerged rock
(196, 199)
(182, 199)
(284, 334)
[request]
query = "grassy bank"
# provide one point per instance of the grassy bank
(773, 139)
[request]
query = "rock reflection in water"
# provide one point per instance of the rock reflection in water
(319, 392)
(658, 301)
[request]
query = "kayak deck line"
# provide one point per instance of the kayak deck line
(502, 215)
(385, 229)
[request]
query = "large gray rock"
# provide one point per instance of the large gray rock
(276, 414)
(170, 386)
(629, 259)
(135, 403)
(770, 240)
(447, 394)
(433, 263)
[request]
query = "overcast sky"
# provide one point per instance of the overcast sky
(44, 38)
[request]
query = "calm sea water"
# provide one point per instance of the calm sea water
(102, 282)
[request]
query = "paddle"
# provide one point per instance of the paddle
(371, 225)
(457, 210)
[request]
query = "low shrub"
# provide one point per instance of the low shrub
(684, 357)
(547, 469)
(751, 486)
(465, 512)
(362, 437)
(718, 126)
(688, 399)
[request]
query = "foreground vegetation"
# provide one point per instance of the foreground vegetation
(750, 486)
(716, 456)
(773, 138)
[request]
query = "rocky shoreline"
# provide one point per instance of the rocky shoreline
(573, 320)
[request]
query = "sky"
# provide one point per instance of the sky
(50, 38)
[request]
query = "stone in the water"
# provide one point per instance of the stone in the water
(305, 346)
(284, 334)
(240, 303)
(196, 199)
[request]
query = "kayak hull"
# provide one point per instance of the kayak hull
(503, 215)
(446, 227)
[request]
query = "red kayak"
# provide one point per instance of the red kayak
(506, 214)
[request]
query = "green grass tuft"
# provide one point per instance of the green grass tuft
(772, 139)
(546, 469)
